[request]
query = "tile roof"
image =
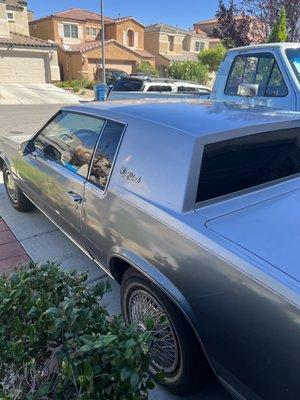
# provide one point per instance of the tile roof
(22, 40)
(80, 15)
(18, 4)
(184, 56)
(207, 21)
(91, 45)
(142, 53)
(174, 29)
(122, 19)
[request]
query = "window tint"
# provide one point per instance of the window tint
(260, 70)
(236, 164)
(70, 140)
(105, 154)
(159, 88)
(128, 85)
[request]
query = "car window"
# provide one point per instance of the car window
(128, 85)
(261, 71)
(236, 164)
(293, 55)
(276, 86)
(105, 154)
(187, 89)
(159, 88)
(69, 139)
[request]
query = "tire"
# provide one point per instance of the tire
(16, 197)
(186, 370)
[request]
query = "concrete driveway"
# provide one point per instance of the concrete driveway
(42, 241)
(35, 94)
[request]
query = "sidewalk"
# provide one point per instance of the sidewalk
(12, 254)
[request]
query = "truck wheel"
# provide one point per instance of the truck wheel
(175, 349)
(18, 200)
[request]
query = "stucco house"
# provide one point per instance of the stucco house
(256, 33)
(169, 44)
(77, 33)
(24, 59)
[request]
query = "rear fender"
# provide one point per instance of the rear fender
(163, 283)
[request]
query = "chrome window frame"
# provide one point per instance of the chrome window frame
(92, 185)
(86, 181)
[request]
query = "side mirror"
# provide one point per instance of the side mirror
(26, 148)
(247, 90)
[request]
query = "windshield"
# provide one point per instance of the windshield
(293, 55)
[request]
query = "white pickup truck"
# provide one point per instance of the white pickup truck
(267, 75)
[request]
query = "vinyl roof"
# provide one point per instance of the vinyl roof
(196, 117)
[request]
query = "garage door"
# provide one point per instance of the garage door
(22, 68)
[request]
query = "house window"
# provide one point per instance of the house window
(92, 31)
(10, 16)
(199, 46)
(130, 38)
(171, 43)
(70, 31)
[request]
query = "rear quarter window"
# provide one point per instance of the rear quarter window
(159, 88)
(128, 85)
(232, 165)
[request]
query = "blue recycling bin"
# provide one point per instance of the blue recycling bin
(101, 90)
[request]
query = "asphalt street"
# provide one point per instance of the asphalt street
(37, 234)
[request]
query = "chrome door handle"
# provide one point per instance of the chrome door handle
(74, 197)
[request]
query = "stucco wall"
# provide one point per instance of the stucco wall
(122, 27)
(20, 22)
(4, 27)
(152, 42)
(76, 65)
(42, 29)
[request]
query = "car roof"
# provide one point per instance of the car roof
(195, 117)
(266, 46)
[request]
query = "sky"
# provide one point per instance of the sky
(172, 12)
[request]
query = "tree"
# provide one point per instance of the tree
(265, 12)
(279, 32)
(146, 68)
(189, 70)
(233, 25)
(212, 57)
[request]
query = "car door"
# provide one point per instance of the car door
(98, 202)
(265, 76)
(63, 151)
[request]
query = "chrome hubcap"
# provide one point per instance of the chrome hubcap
(11, 187)
(164, 349)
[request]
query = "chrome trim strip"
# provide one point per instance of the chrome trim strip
(230, 389)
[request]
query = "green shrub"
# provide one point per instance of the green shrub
(189, 70)
(58, 342)
(279, 32)
(146, 68)
(212, 57)
(77, 84)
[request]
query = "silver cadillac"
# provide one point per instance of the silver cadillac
(194, 209)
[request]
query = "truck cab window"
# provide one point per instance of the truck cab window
(261, 71)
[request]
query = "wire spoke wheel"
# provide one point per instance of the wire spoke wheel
(143, 307)
(11, 186)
